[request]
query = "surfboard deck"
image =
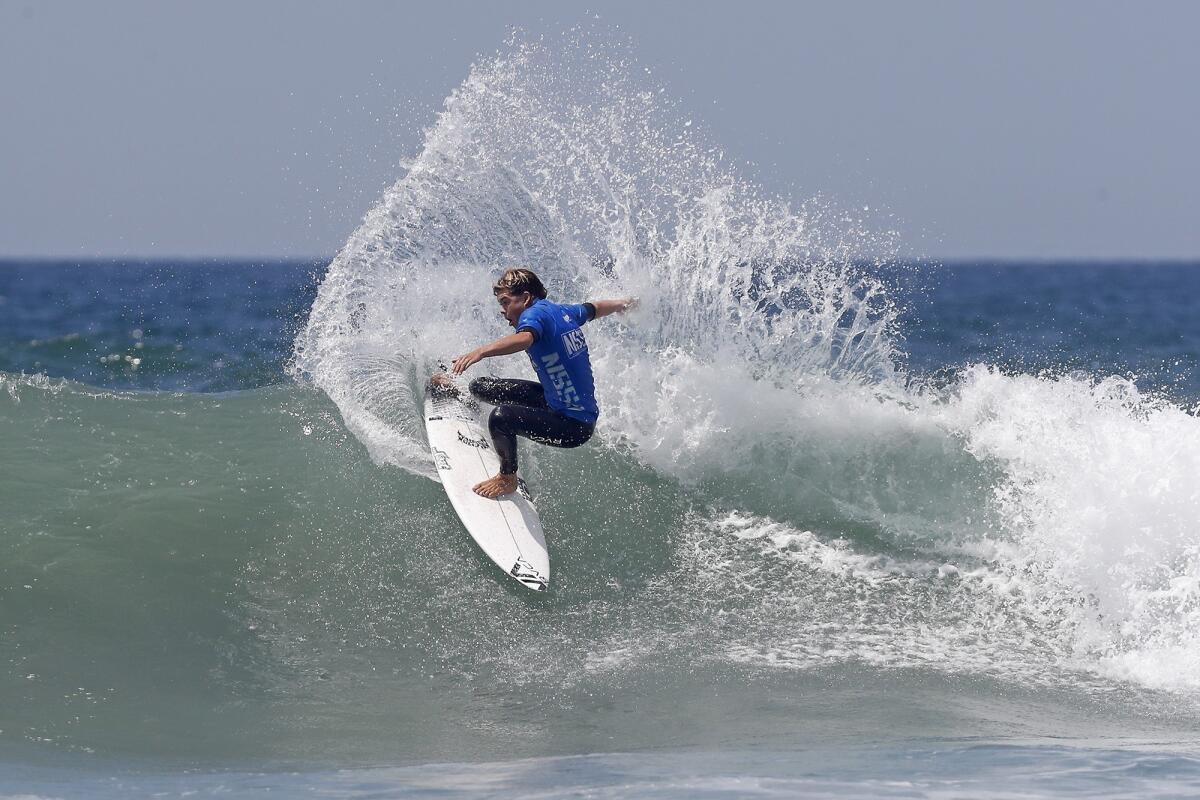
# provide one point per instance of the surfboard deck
(508, 529)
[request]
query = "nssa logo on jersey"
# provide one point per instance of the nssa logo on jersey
(574, 343)
(561, 381)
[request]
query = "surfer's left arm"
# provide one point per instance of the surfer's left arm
(505, 345)
(605, 307)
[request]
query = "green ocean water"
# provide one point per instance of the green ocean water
(227, 579)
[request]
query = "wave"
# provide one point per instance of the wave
(209, 563)
(763, 368)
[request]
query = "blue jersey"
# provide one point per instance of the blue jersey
(560, 357)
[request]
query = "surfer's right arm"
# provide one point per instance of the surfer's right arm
(506, 345)
(605, 307)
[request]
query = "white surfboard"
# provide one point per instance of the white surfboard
(508, 529)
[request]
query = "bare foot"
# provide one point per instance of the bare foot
(495, 487)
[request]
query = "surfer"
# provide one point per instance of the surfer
(561, 409)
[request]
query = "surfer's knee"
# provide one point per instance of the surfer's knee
(501, 418)
(482, 387)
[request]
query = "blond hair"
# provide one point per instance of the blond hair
(519, 280)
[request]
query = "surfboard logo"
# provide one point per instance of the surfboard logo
(526, 574)
(441, 459)
(467, 440)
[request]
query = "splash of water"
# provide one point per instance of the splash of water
(761, 366)
(562, 161)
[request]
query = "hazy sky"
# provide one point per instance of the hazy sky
(1007, 129)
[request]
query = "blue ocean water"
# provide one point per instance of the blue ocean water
(205, 326)
(849, 526)
(1100, 318)
(194, 326)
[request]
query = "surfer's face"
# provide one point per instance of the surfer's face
(511, 305)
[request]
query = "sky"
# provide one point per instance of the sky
(1005, 130)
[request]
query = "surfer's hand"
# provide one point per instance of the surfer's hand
(460, 364)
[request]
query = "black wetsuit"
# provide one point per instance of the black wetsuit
(521, 410)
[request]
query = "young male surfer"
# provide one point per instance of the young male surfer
(561, 410)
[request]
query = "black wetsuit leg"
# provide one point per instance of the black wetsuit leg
(509, 391)
(521, 410)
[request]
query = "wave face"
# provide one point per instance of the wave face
(221, 577)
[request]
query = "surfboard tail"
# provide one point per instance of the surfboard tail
(524, 572)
